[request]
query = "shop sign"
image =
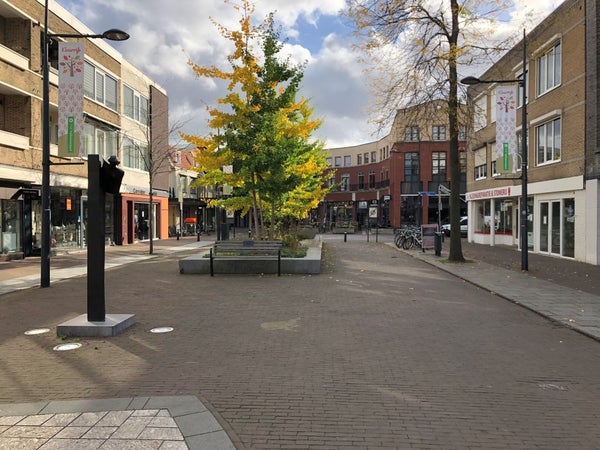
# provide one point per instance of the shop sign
(488, 193)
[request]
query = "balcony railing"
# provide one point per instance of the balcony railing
(364, 187)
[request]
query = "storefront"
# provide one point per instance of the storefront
(494, 218)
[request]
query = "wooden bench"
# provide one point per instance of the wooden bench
(246, 250)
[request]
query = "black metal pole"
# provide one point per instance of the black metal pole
(524, 159)
(96, 310)
(45, 244)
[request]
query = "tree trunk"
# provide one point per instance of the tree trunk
(455, 253)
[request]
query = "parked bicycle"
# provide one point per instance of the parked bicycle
(408, 236)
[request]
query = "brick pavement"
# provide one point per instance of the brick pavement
(379, 351)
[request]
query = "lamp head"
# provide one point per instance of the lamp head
(470, 81)
(115, 34)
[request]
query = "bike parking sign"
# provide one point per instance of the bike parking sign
(373, 212)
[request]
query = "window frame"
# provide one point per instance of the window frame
(556, 150)
(550, 57)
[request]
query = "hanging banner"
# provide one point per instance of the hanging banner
(70, 98)
(506, 129)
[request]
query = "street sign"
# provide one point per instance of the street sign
(428, 193)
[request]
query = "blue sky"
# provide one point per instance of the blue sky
(165, 34)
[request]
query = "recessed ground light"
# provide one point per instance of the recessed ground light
(37, 331)
(161, 330)
(65, 347)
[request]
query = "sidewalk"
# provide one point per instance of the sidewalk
(25, 273)
(572, 303)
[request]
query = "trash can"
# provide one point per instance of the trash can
(438, 243)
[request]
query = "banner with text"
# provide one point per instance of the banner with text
(506, 129)
(70, 98)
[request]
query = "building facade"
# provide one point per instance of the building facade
(395, 180)
(122, 109)
(562, 168)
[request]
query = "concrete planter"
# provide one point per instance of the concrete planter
(310, 264)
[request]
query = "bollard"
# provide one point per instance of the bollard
(345, 236)
(438, 244)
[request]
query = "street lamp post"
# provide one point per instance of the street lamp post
(524, 150)
(112, 34)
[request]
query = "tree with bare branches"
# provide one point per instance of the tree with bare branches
(414, 49)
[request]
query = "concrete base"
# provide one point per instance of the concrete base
(200, 264)
(80, 326)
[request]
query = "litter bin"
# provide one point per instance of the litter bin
(438, 243)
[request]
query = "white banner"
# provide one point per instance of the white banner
(506, 129)
(70, 98)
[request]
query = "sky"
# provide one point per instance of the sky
(165, 35)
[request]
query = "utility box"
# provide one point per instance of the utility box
(428, 235)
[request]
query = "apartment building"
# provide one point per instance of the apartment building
(125, 114)
(395, 180)
(562, 156)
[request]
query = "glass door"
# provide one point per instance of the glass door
(557, 227)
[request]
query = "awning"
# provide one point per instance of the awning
(189, 220)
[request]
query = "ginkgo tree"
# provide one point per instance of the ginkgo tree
(261, 131)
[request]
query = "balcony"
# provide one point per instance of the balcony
(13, 58)
(14, 140)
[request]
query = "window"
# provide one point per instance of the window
(411, 134)
(338, 161)
(411, 183)
(347, 161)
(135, 105)
(462, 161)
(493, 106)
(345, 182)
(373, 157)
(329, 161)
(494, 159)
(438, 168)
(520, 93)
(480, 172)
(548, 141)
(361, 180)
(99, 139)
(99, 86)
(358, 160)
(438, 133)
(480, 113)
(549, 73)
(371, 179)
(366, 157)
(462, 133)
(331, 182)
(135, 154)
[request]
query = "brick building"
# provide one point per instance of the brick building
(563, 167)
(395, 180)
(123, 108)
